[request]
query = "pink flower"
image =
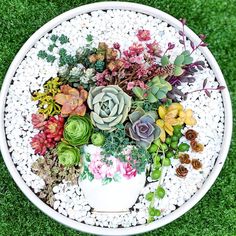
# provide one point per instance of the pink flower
(101, 78)
(144, 35)
(130, 85)
(97, 167)
(136, 49)
(137, 83)
(115, 167)
(130, 172)
(126, 63)
(116, 46)
(142, 71)
(154, 49)
(142, 85)
(136, 59)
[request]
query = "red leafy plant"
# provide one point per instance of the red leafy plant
(51, 132)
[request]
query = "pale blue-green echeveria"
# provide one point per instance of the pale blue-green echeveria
(77, 130)
(142, 127)
(110, 106)
(68, 155)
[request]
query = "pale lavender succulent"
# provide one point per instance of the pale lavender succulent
(142, 127)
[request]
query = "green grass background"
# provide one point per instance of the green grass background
(215, 214)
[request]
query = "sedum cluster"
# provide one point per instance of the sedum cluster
(53, 172)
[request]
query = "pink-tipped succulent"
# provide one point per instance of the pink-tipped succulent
(39, 121)
(40, 143)
(54, 128)
(72, 100)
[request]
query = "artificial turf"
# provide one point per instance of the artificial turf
(215, 214)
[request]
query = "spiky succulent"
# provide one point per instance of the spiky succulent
(110, 106)
(142, 127)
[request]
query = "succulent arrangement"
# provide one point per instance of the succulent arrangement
(124, 105)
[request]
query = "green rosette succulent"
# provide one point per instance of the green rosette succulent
(68, 155)
(77, 130)
(98, 139)
(110, 106)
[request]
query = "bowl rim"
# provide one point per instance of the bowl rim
(94, 229)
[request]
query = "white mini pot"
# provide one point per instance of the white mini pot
(114, 196)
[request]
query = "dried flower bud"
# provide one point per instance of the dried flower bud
(166, 70)
(116, 46)
(202, 37)
(183, 21)
(171, 46)
(196, 147)
(102, 46)
(184, 158)
(191, 134)
(93, 58)
(196, 164)
(181, 171)
(100, 57)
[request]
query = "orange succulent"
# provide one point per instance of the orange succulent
(72, 100)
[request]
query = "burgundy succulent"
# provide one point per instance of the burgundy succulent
(142, 127)
(54, 128)
(52, 131)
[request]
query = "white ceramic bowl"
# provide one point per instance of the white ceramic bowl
(115, 196)
(119, 231)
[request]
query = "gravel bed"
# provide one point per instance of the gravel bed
(111, 26)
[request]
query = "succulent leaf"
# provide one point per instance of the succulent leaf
(179, 60)
(165, 60)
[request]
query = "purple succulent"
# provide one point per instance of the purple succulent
(142, 127)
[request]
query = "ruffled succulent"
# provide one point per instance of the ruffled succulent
(110, 106)
(72, 100)
(142, 127)
(68, 155)
(77, 130)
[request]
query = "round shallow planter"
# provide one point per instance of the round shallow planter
(129, 230)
